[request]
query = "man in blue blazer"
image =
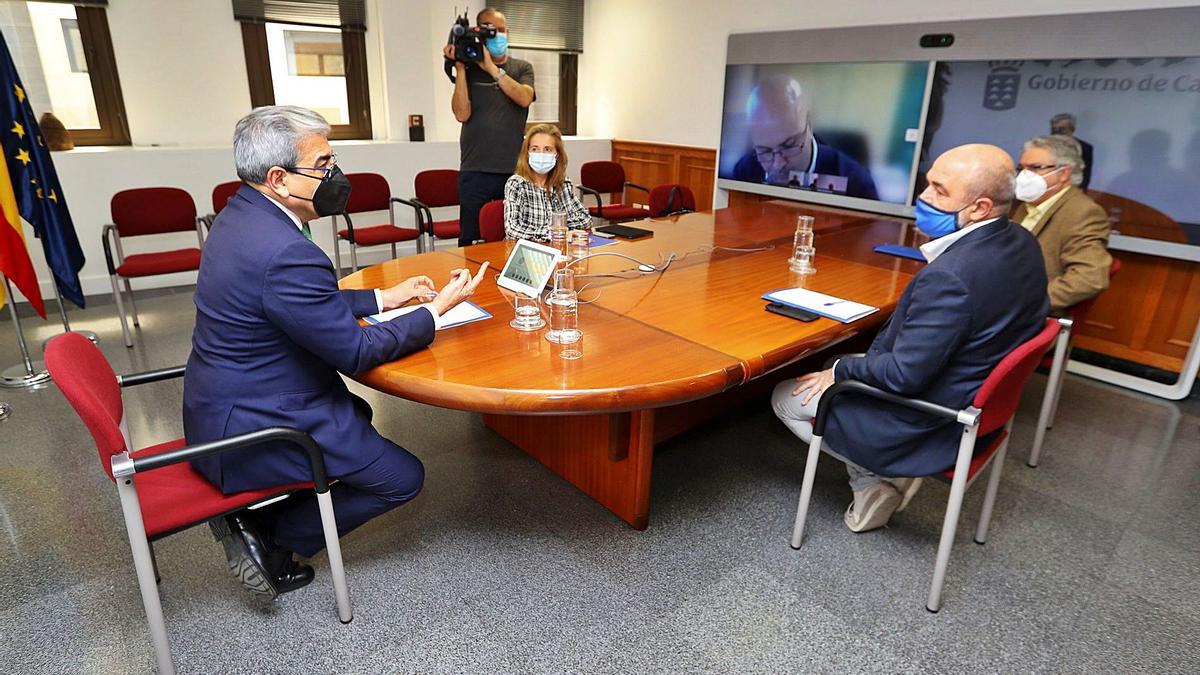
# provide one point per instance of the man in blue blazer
(272, 333)
(982, 294)
(785, 150)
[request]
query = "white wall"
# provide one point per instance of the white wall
(655, 70)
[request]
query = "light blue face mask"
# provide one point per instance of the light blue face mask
(542, 162)
(498, 45)
(933, 221)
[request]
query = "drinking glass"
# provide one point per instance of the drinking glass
(558, 230)
(564, 318)
(564, 279)
(803, 251)
(577, 243)
(527, 314)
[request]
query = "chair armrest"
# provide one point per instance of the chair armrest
(108, 257)
(969, 416)
(599, 201)
(349, 226)
(833, 359)
(134, 379)
(643, 188)
(124, 465)
(421, 211)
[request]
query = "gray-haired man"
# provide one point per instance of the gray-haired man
(273, 330)
(1063, 124)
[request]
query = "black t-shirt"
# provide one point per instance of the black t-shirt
(491, 138)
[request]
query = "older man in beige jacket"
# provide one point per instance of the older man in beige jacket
(1071, 228)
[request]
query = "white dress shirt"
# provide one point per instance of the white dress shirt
(378, 293)
(934, 248)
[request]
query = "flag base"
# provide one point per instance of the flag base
(18, 377)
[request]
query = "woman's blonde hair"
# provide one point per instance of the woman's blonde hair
(557, 175)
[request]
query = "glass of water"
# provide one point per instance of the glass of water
(577, 243)
(564, 279)
(803, 251)
(528, 315)
(558, 230)
(564, 318)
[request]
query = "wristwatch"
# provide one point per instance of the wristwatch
(500, 73)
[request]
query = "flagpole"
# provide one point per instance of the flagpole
(27, 373)
(62, 313)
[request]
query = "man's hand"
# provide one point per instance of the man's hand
(405, 291)
(448, 52)
(461, 286)
(488, 65)
(814, 384)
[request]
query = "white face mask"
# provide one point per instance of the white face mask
(542, 162)
(1031, 185)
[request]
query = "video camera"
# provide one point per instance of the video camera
(469, 42)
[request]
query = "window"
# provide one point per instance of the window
(309, 54)
(548, 34)
(64, 55)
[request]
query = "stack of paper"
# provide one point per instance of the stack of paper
(819, 303)
(464, 312)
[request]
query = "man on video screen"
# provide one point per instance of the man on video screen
(785, 151)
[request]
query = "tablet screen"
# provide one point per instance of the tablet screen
(529, 266)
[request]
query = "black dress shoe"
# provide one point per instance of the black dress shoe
(293, 575)
(248, 554)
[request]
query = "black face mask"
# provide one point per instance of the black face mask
(331, 195)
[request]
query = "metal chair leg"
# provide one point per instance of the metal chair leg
(1050, 398)
(393, 250)
(144, 566)
(334, 548)
(154, 562)
(132, 304)
(353, 257)
(993, 486)
(806, 486)
(1062, 378)
(950, 524)
(121, 311)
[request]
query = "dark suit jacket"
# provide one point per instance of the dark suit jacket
(272, 332)
(960, 315)
(830, 161)
(1086, 150)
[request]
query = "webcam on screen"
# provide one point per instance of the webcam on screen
(937, 40)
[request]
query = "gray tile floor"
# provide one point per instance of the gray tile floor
(1093, 563)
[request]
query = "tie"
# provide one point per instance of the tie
(307, 232)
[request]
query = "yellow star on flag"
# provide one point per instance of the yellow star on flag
(24, 157)
(18, 129)
(20, 92)
(39, 194)
(53, 197)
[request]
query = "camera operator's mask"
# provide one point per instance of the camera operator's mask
(498, 46)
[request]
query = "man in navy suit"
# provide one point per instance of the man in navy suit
(273, 331)
(982, 294)
(785, 151)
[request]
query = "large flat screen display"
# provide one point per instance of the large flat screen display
(844, 134)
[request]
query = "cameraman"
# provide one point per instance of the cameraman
(491, 99)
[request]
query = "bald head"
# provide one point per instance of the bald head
(976, 179)
(777, 114)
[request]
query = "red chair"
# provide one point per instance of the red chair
(145, 211)
(160, 492)
(491, 221)
(221, 195)
(989, 417)
(435, 188)
(670, 200)
(1056, 363)
(597, 178)
(370, 192)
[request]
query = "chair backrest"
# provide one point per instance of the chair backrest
(368, 192)
(223, 193)
(90, 386)
(671, 198)
(1079, 313)
(1001, 391)
(602, 176)
(152, 211)
(437, 187)
(491, 221)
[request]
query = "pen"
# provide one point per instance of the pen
(835, 302)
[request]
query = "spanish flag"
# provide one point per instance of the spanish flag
(14, 257)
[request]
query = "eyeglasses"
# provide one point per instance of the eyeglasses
(325, 170)
(1037, 167)
(787, 151)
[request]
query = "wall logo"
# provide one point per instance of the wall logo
(1002, 84)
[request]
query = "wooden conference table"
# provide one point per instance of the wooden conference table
(651, 342)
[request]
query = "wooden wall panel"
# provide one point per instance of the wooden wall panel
(653, 164)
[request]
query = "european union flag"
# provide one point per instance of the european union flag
(40, 198)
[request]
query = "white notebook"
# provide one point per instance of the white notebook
(463, 312)
(828, 306)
